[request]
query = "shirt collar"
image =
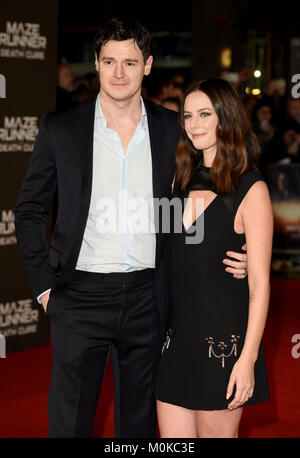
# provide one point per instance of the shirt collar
(99, 112)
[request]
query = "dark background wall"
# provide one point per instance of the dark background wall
(190, 35)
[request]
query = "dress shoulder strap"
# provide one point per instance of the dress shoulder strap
(246, 181)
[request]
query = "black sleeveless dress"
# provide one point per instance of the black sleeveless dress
(210, 306)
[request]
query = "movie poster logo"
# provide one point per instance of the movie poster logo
(18, 318)
(22, 40)
(18, 133)
(7, 228)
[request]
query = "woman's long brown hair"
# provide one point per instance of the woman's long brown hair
(237, 145)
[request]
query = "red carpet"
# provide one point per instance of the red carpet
(25, 378)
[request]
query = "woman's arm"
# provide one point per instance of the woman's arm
(257, 216)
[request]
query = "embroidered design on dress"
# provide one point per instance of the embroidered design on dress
(222, 346)
(167, 341)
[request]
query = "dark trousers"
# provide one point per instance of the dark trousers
(87, 316)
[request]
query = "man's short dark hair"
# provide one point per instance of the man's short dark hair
(124, 29)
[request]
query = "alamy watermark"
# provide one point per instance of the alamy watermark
(296, 348)
(147, 216)
(2, 87)
(296, 88)
(2, 346)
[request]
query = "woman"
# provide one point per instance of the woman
(212, 360)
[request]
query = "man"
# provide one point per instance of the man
(108, 289)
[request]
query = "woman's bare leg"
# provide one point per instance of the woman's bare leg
(175, 421)
(218, 423)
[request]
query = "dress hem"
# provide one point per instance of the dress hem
(186, 405)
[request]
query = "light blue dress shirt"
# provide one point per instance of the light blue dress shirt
(119, 234)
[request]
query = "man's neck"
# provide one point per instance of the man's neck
(121, 110)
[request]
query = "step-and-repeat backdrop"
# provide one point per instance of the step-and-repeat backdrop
(28, 56)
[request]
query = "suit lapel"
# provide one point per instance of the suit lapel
(156, 134)
(84, 146)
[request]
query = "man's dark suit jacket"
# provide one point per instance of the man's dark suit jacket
(62, 161)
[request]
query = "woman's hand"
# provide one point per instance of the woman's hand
(242, 376)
